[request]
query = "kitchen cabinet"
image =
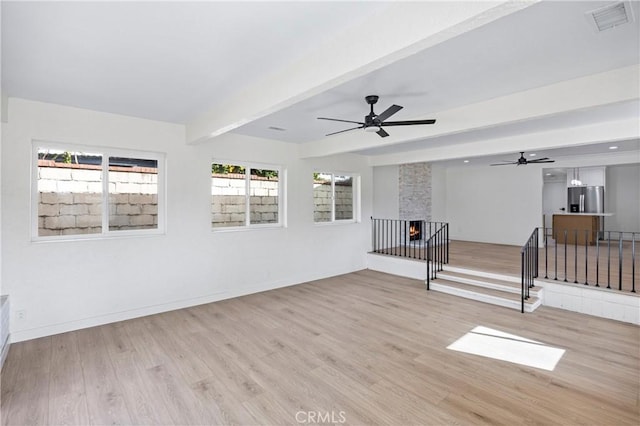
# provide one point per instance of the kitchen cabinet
(589, 176)
(581, 228)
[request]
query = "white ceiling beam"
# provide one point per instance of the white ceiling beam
(612, 131)
(398, 31)
(605, 88)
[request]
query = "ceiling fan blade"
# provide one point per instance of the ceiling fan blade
(346, 130)
(503, 164)
(407, 123)
(542, 161)
(343, 121)
(382, 133)
(389, 112)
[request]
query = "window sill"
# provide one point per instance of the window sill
(98, 237)
(247, 228)
(336, 222)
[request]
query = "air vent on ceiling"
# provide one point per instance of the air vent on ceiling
(610, 16)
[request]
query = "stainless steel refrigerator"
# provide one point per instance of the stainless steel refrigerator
(586, 199)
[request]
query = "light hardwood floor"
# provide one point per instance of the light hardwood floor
(368, 347)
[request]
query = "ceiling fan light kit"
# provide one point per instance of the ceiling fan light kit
(375, 123)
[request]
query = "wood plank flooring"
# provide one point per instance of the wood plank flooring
(365, 347)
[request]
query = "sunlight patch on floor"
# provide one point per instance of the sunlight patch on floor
(496, 344)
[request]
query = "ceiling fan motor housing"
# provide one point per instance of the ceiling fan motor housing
(371, 99)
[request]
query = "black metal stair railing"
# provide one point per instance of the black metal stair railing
(437, 248)
(403, 238)
(415, 239)
(609, 259)
(528, 266)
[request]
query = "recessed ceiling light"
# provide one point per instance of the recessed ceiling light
(532, 155)
(466, 161)
(613, 147)
(548, 174)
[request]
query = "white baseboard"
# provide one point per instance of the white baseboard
(49, 330)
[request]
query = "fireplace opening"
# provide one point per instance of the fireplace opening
(415, 230)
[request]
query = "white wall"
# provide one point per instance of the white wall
(494, 204)
(438, 193)
(66, 285)
(554, 198)
(487, 204)
(386, 192)
(622, 198)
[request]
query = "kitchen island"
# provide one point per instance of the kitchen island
(581, 228)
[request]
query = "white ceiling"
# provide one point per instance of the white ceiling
(629, 149)
(537, 46)
(175, 61)
(166, 61)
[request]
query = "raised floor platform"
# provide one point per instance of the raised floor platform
(504, 260)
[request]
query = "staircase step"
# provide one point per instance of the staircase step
(503, 283)
(484, 274)
(485, 294)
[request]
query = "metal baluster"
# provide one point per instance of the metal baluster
(575, 256)
(392, 249)
(598, 262)
(633, 262)
(428, 271)
(440, 249)
(406, 238)
(447, 238)
(609, 262)
(373, 235)
(534, 268)
(546, 254)
(555, 246)
(392, 237)
(434, 250)
(437, 252)
(431, 225)
(522, 283)
(620, 261)
(388, 238)
(530, 269)
(396, 229)
(565, 255)
(586, 257)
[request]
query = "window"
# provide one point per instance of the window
(333, 197)
(245, 195)
(93, 192)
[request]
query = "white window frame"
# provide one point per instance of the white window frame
(356, 202)
(106, 154)
(282, 202)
